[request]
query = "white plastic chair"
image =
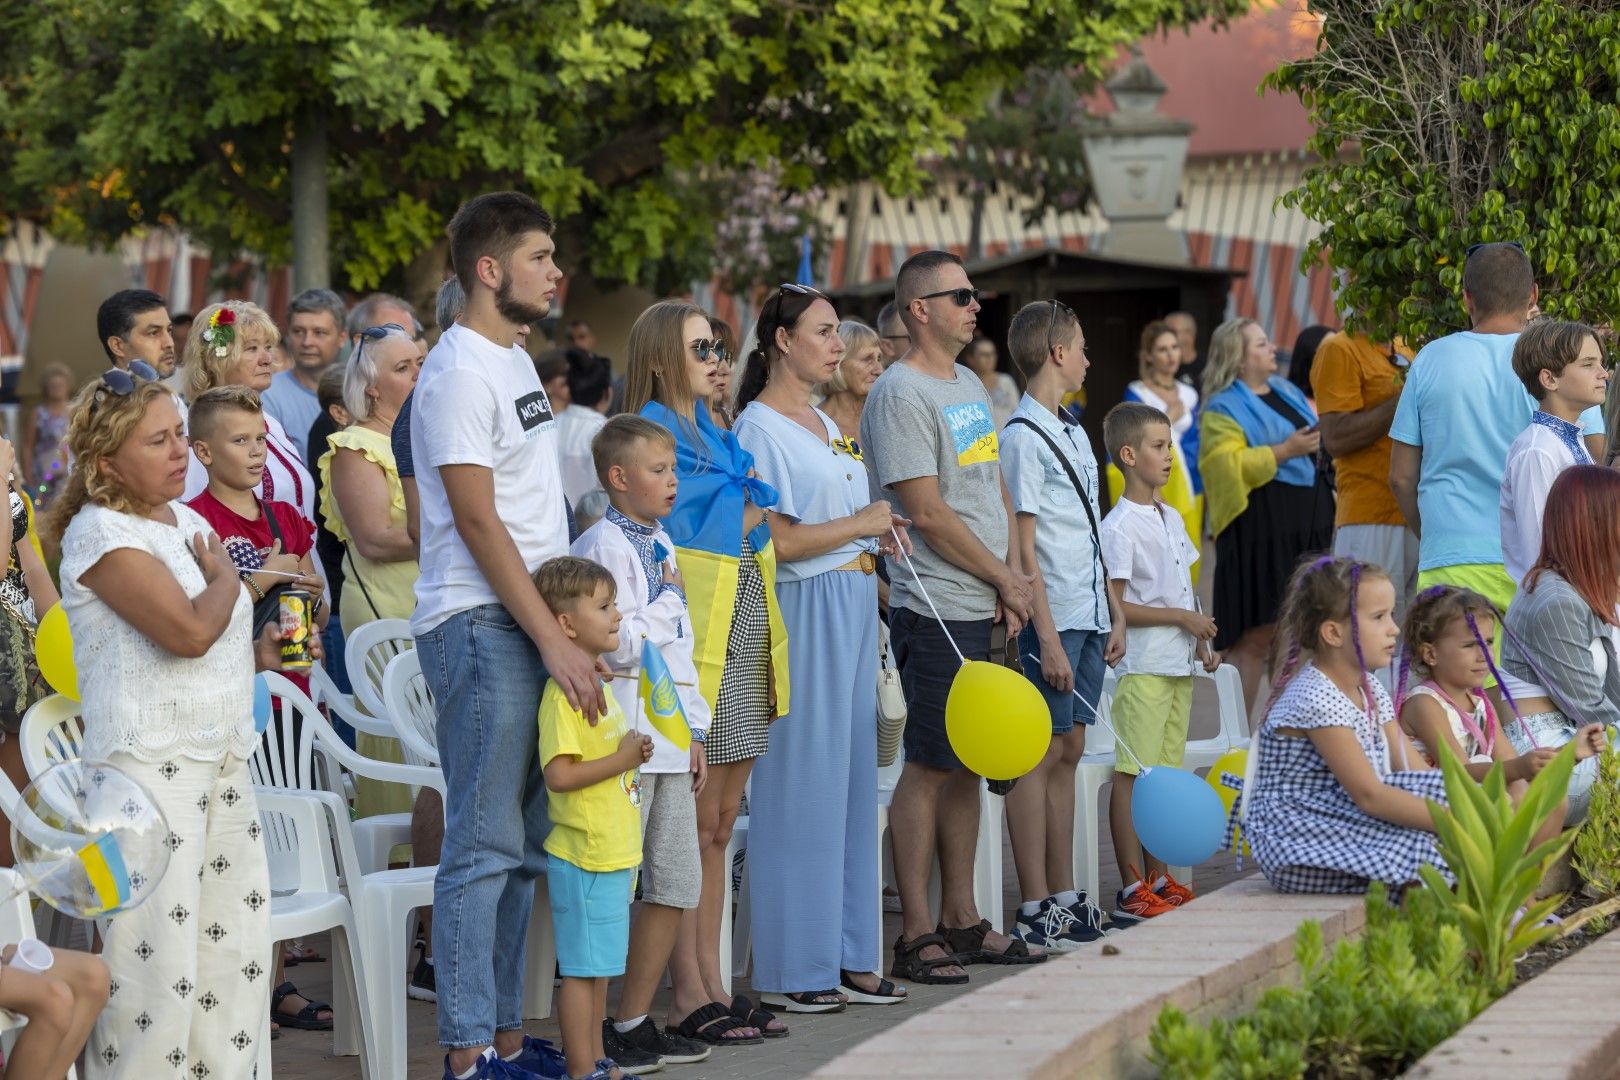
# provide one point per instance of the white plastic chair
(1096, 768)
(52, 731)
(307, 898)
(368, 649)
(16, 925)
(409, 703)
(382, 899)
(1233, 732)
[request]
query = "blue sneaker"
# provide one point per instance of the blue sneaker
(492, 1067)
(543, 1058)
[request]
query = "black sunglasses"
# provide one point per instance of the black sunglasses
(1051, 327)
(959, 297)
(1469, 254)
(800, 290)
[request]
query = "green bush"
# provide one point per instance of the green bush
(1370, 1007)
(1597, 845)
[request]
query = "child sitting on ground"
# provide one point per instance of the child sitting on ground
(1561, 365)
(1149, 558)
(1072, 634)
(635, 463)
(1336, 803)
(1449, 634)
(594, 845)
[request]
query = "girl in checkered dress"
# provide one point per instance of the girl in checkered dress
(1335, 804)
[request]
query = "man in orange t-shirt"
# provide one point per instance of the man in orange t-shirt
(1357, 383)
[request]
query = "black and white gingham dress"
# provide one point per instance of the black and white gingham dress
(1307, 834)
(740, 728)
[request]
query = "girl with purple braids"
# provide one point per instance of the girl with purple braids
(1334, 805)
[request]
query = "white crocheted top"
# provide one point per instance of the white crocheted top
(138, 698)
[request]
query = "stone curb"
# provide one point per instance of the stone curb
(1089, 1014)
(1559, 1024)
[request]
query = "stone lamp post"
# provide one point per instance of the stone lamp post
(1135, 157)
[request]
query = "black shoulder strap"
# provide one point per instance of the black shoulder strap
(275, 527)
(1074, 478)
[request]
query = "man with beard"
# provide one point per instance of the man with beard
(484, 443)
(133, 324)
(315, 335)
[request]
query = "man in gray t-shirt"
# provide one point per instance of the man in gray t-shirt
(930, 442)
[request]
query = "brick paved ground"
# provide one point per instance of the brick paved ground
(815, 1040)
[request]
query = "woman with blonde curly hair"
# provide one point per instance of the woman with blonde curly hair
(233, 344)
(161, 629)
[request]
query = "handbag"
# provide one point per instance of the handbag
(891, 703)
(21, 685)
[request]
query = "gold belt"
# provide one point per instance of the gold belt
(865, 562)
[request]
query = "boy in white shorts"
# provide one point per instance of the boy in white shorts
(635, 462)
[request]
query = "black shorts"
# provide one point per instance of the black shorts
(928, 666)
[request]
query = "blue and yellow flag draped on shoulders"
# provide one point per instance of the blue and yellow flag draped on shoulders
(706, 526)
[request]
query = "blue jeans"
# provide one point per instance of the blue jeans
(1084, 649)
(486, 677)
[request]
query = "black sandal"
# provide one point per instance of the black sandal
(909, 963)
(967, 943)
(711, 1024)
(805, 1001)
(887, 993)
(743, 1009)
(306, 1019)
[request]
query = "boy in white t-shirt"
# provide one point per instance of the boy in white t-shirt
(1561, 364)
(635, 462)
(1149, 557)
(484, 443)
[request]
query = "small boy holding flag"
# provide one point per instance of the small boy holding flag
(656, 687)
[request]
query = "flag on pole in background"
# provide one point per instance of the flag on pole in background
(807, 275)
(659, 699)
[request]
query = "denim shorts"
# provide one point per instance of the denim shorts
(1084, 649)
(590, 916)
(928, 666)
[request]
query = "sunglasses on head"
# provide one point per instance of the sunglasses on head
(711, 352)
(959, 297)
(377, 333)
(1469, 254)
(123, 383)
(800, 290)
(1051, 327)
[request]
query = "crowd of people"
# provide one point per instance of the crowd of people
(755, 527)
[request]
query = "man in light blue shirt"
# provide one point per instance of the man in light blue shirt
(1461, 409)
(314, 338)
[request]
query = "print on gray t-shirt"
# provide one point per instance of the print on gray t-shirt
(916, 425)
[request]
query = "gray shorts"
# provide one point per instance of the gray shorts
(671, 868)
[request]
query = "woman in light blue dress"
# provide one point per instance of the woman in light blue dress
(812, 846)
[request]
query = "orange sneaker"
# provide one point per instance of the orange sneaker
(1174, 892)
(1138, 904)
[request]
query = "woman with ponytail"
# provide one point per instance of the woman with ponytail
(724, 553)
(814, 876)
(1561, 659)
(1334, 804)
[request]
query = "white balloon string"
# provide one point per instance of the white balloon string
(1096, 714)
(924, 590)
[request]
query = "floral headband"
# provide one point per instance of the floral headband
(221, 331)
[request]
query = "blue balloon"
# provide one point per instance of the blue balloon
(1178, 817)
(261, 703)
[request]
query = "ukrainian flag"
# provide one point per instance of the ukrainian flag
(706, 526)
(104, 867)
(659, 698)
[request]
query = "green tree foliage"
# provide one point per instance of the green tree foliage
(1442, 123)
(623, 117)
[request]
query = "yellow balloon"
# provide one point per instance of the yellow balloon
(1235, 762)
(997, 721)
(53, 648)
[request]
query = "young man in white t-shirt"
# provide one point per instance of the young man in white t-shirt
(1561, 364)
(484, 442)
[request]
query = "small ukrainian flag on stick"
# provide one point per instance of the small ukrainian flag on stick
(109, 878)
(659, 699)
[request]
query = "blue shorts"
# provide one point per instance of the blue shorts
(590, 916)
(928, 666)
(1084, 649)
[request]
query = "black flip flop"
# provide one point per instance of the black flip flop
(887, 993)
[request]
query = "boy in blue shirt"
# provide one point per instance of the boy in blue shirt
(1074, 629)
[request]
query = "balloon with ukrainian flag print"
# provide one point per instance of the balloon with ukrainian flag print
(90, 840)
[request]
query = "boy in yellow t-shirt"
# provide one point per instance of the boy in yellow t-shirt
(594, 845)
